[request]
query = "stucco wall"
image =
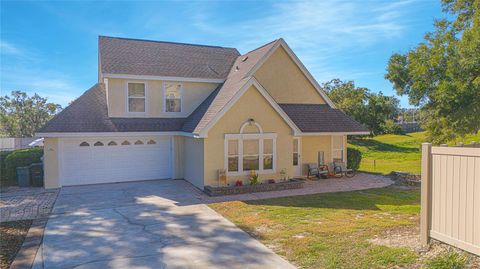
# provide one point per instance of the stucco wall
(193, 95)
(194, 157)
(50, 160)
(178, 157)
(251, 105)
(285, 82)
(311, 145)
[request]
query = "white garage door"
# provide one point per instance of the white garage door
(114, 159)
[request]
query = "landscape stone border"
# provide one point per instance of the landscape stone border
(408, 179)
(231, 190)
(27, 253)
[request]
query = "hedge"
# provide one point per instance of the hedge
(354, 157)
(3, 156)
(19, 158)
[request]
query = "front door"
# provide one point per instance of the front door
(297, 163)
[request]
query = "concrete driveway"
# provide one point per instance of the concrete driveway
(149, 224)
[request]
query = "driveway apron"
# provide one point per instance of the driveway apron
(148, 224)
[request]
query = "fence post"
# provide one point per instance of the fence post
(426, 198)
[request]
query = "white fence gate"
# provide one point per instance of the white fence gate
(451, 196)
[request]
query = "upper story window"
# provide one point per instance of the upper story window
(136, 97)
(173, 97)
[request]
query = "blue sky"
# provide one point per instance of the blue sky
(51, 47)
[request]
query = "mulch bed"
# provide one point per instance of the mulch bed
(12, 234)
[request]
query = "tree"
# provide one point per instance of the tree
(380, 111)
(442, 74)
(347, 97)
(371, 109)
(21, 115)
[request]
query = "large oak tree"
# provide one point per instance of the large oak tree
(442, 74)
(21, 115)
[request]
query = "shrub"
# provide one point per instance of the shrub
(449, 260)
(354, 157)
(3, 156)
(390, 127)
(19, 158)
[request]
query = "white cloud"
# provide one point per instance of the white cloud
(8, 48)
(330, 25)
(57, 87)
(318, 31)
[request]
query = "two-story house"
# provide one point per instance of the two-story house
(163, 110)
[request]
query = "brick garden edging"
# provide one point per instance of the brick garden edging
(231, 190)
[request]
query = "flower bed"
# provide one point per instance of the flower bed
(231, 190)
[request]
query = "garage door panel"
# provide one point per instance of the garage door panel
(115, 163)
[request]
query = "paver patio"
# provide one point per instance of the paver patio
(26, 203)
(360, 181)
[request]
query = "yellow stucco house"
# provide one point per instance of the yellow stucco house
(164, 110)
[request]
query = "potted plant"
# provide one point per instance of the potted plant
(238, 183)
(283, 174)
(253, 178)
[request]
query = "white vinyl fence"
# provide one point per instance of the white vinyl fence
(12, 143)
(451, 196)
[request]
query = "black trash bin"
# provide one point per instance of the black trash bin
(23, 176)
(36, 174)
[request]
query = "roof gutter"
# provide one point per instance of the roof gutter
(333, 133)
(111, 134)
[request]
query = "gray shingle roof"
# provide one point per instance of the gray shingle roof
(321, 118)
(235, 80)
(156, 58)
(88, 113)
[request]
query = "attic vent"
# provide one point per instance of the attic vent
(244, 59)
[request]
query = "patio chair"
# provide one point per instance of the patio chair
(340, 169)
(314, 171)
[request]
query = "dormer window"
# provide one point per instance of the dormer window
(136, 97)
(173, 97)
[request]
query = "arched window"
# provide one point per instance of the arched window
(250, 149)
(250, 126)
(84, 144)
(98, 144)
(151, 142)
(112, 143)
(125, 143)
(138, 142)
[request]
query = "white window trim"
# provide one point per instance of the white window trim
(127, 97)
(240, 138)
(336, 149)
(165, 97)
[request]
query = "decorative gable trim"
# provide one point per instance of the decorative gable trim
(311, 79)
(252, 81)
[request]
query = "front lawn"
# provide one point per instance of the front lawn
(387, 153)
(331, 230)
(12, 234)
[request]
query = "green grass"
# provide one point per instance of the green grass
(449, 260)
(330, 230)
(387, 153)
